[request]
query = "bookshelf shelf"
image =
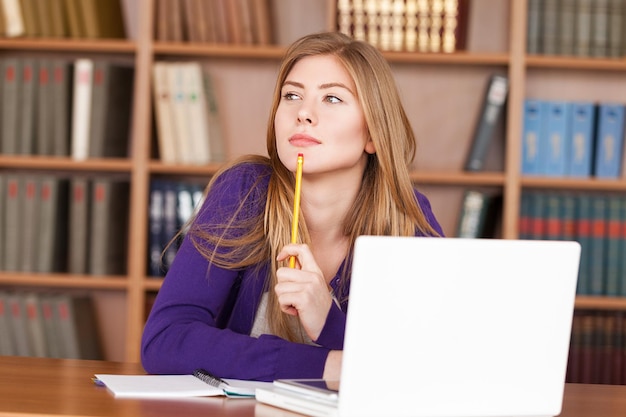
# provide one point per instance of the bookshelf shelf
(276, 52)
(64, 281)
(218, 50)
(66, 164)
(69, 45)
(456, 58)
(176, 169)
(601, 303)
(152, 284)
(592, 184)
(458, 178)
(574, 63)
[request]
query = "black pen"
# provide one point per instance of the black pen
(209, 378)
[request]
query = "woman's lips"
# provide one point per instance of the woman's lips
(303, 140)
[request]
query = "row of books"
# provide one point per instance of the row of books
(62, 18)
(576, 139)
(596, 221)
(172, 203)
(45, 324)
(597, 348)
(188, 127)
(586, 28)
(56, 107)
(58, 224)
(406, 25)
(213, 21)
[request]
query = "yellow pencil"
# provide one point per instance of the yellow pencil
(296, 207)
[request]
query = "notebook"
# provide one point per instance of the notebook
(452, 327)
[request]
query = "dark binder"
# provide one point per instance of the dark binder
(489, 116)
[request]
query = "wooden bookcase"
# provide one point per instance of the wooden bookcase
(442, 94)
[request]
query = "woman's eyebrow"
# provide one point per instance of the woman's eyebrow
(335, 84)
(321, 86)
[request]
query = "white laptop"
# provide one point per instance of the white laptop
(451, 327)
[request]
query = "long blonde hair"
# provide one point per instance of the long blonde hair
(385, 204)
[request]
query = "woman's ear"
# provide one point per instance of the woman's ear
(370, 147)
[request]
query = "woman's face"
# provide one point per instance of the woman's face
(320, 116)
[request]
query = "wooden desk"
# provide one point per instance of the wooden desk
(56, 387)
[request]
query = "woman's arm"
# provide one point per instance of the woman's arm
(203, 314)
(182, 332)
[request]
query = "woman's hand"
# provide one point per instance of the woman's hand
(302, 290)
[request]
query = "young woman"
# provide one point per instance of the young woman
(230, 303)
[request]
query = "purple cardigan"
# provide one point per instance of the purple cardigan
(205, 323)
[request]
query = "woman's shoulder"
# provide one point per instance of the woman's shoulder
(427, 210)
(242, 182)
(244, 173)
(246, 167)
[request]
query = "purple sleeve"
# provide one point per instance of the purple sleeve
(184, 330)
(333, 332)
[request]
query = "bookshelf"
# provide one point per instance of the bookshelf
(442, 94)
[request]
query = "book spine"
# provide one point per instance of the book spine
(13, 18)
(108, 224)
(582, 46)
(34, 323)
(583, 236)
(581, 139)
(490, 113)
(598, 245)
(553, 138)
(28, 113)
(553, 220)
(79, 229)
(166, 135)
(155, 264)
(7, 344)
(216, 138)
(175, 72)
(51, 331)
(81, 108)
(613, 242)
(13, 210)
(61, 78)
(549, 22)
(568, 217)
(599, 28)
(45, 130)
(30, 223)
(609, 140)
(622, 257)
(567, 20)
(11, 97)
(197, 112)
(470, 220)
(616, 30)
(524, 231)
(53, 225)
(531, 134)
(170, 223)
(19, 325)
(4, 197)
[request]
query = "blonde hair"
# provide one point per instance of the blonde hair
(385, 204)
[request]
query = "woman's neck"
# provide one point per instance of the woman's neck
(324, 206)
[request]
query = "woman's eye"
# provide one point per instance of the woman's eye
(333, 99)
(290, 96)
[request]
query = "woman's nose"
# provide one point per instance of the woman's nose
(305, 115)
